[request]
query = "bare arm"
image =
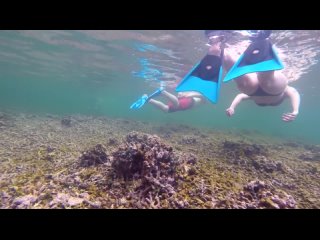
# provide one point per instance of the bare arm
(235, 102)
(294, 97)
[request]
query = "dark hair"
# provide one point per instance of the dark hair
(210, 33)
(260, 34)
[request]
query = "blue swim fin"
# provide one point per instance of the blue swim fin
(141, 101)
(204, 77)
(260, 56)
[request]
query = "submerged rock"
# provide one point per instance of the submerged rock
(94, 156)
(63, 200)
(292, 144)
(6, 120)
(5, 199)
(60, 201)
(263, 164)
(310, 156)
(188, 140)
(24, 202)
(258, 194)
(251, 156)
(112, 141)
(148, 159)
(238, 150)
(143, 154)
(66, 122)
(73, 201)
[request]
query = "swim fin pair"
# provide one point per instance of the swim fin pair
(206, 76)
(260, 56)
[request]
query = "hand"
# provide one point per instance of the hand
(288, 117)
(230, 112)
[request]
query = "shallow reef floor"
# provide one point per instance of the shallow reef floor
(51, 161)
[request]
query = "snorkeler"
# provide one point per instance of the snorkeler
(257, 76)
(206, 76)
(255, 72)
(183, 101)
(201, 83)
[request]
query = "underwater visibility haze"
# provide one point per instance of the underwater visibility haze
(70, 140)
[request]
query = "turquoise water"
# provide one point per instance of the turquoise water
(103, 72)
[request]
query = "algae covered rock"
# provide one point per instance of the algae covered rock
(143, 155)
(156, 168)
(238, 150)
(258, 194)
(94, 156)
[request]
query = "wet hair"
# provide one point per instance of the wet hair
(260, 34)
(210, 33)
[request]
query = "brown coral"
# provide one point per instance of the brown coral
(147, 158)
(94, 156)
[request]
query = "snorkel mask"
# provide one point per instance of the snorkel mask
(215, 36)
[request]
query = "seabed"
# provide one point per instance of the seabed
(98, 162)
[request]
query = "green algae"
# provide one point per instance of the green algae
(39, 171)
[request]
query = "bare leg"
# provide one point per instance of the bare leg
(159, 105)
(163, 106)
(247, 83)
(172, 98)
(228, 60)
(272, 81)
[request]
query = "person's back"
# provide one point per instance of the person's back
(265, 88)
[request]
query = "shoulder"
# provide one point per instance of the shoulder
(290, 90)
(292, 93)
(280, 75)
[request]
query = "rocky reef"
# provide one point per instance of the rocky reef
(251, 156)
(258, 194)
(99, 162)
(6, 120)
(66, 122)
(236, 150)
(94, 156)
(145, 158)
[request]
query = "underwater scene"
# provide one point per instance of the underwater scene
(159, 119)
